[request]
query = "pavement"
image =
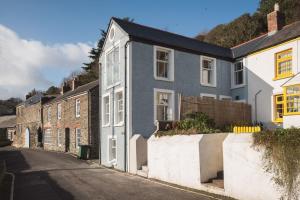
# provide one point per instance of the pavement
(51, 175)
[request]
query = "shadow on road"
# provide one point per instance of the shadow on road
(33, 184)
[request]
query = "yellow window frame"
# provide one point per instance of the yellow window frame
(286, 110)
(280, 59)
(278, 100)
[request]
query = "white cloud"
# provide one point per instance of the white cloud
(23, 62)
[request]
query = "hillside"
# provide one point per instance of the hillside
(249, 26)
(8, 107)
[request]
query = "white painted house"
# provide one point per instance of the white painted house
(272, 67)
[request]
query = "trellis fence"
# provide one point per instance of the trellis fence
(224, 112)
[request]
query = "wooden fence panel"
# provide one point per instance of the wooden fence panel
(224, 112)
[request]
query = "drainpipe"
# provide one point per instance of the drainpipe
(255, 103)
(100, 113)
(125, 109)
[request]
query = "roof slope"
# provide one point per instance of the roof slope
(7, 121)
(156, 36)
(78, 90)
(288, 32)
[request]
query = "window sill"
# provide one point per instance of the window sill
(208, 85)
(278, 121)
(163, 79)
(106, 125)
(283, 77)
(238, 86)
(119, 124)
(113, 85)
(289, 114)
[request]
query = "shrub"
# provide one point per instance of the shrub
(282, 158)
(195, 123)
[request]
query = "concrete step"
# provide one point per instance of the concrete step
(142, 173)
(218, 182)
(145, 168)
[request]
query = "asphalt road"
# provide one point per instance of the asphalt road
(46, 175)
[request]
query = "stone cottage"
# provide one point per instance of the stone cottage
(29, 121)
(72, 119)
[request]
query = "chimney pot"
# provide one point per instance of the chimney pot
(276, 7)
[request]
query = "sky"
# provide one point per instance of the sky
(43, 41)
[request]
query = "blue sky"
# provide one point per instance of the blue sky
(56, 23)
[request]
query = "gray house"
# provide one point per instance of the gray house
(144, 70)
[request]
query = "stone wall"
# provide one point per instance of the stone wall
(28, 117)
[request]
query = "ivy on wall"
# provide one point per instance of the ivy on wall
(282, 158)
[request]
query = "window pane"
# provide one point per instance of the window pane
(106, 110)
(116, 65)
(109, 67)
(163, 107)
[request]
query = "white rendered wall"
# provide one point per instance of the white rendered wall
(244, 174)
(185, 160)
(260, 74)
(291, 121)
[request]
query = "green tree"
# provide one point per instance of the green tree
(52, 90)
(247, 26)
(91, 69)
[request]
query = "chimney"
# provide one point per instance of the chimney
(75, 83)
(65, 88)
(275, 20)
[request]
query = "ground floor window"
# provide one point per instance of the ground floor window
(59, 137)
(112, 145)
(292, 99)
(47, 136)
(278, 107)
(78, 137)
(163, 105)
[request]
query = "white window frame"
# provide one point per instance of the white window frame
(208, 95)
(114, 161)
(233, 85)
(76, 137)
(240, 101)
(48, 131)
(49, 114)
(59, 111)
(103, 109)
(77, 108)
(59, 137)
(171, 64)
(157, 90)
(222, 97)
(109, 50)
(214, 84)
(121, 123)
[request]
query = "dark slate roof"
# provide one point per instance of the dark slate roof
(34, 99)
(287, 33)
(79, 90)
(159, 37)
(7, 121)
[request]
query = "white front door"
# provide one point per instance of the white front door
(26, 138)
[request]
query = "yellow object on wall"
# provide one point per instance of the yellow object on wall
(246, 129)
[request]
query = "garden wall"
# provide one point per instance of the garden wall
(244, 174)
(186, 160)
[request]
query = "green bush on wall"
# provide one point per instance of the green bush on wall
(195, 123)
(282, 158)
